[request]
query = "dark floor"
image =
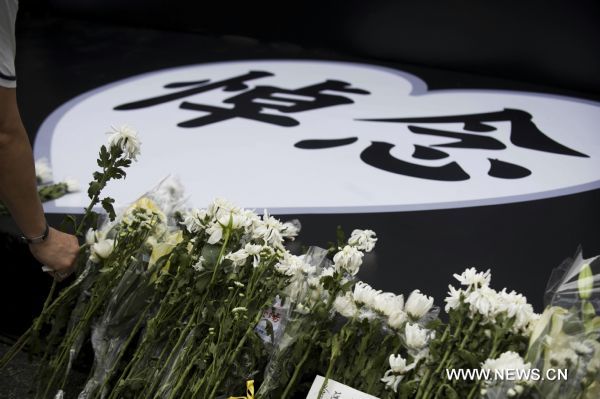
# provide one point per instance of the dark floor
(16, 380)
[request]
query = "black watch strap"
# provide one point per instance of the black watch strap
(38, 239)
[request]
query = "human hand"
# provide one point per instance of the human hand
(58, 252)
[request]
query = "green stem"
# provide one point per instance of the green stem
(173, 350)
(133, 332)
(443, 363)
(292, 381)
(298, 368)
(425, 382)
(16, 348)
(222, 252)
(149, 335)
(334, 355)
(230, 359)
(182, 380)
(474, 390)
(95, 199)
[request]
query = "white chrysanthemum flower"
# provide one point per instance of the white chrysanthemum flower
(365, 294)
(72, 185)
(472, 278)
(515, 305)
(483, 300)
(363, 240)
(314, 282)
(238, 257)
(398, 364)
(388, 303)
(348, 259)
(563, 357)
(294, 266)
(269, 230)
(507, 361)
(90, 236)
(127, 139)
(397, 320)
(417, 305)
(391, 380)
(291, 229)
(43, 172)
(302, 309)
(199, 266)
(581, 348)
(254, 251)
(220, 207)
(102, 249)
(416, 337)
(195, 220)
(366, 313)
(327, 272)
(234, 221)
(398, 368)
(345, 306)
(453, 298)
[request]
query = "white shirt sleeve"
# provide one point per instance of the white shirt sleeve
(8, 15)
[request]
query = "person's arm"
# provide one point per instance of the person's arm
(18, 190)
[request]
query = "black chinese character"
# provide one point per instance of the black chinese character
(251, 103)
(524, 133)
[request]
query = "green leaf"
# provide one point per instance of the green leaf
(94, 189)
(123, 162)
(117, 173)
(202, 282)
(108, 207)
(408, 389)
(104, 159)
(69, 219)
(449, 392)
(468, 358)
(115, 151)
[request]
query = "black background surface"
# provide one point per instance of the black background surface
(60, 57)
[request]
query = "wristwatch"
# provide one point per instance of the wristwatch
(38, 239)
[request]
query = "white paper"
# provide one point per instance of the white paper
(335, 390)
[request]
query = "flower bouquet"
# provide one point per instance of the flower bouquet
(172, 302)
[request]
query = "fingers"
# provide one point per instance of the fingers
(58, 275)
(62, 275)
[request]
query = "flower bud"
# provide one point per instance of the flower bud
(417, 304)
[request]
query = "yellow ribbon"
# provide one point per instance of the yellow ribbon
(249, 391)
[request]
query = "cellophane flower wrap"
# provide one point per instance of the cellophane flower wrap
(567, 335)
